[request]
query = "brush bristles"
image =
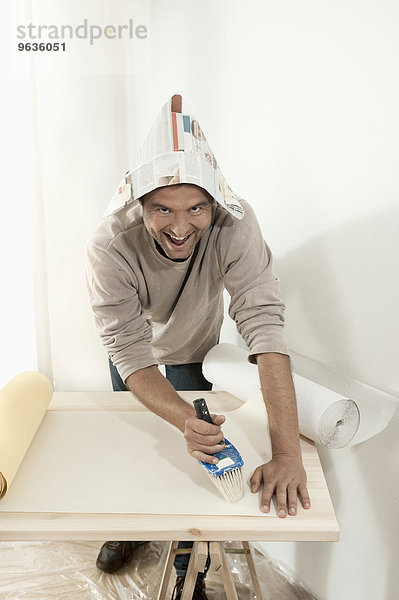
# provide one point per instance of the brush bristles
(231, 485)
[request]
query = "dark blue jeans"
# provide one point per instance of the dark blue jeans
(183, 378)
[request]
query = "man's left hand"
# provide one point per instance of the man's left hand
(285, 476)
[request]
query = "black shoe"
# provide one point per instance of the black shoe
(113, 555)
(198, 593)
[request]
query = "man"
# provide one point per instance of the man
(157, 267)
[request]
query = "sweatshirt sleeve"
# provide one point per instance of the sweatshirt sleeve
(119, 317)
(255, 306)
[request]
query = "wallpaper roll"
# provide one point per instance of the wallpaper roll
(324, 416)
(23, 403)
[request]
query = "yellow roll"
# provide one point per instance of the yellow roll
(23, 403)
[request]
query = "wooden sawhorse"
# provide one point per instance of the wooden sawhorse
(198, 556)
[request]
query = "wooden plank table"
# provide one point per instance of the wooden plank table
(317, 524)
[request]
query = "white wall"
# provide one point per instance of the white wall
(299, 101)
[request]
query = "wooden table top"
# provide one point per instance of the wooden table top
(316, 524)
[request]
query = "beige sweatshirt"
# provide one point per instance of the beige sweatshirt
(150, 310)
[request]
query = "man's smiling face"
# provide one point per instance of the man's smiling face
(177, 216)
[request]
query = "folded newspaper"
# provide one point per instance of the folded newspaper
(175, 151)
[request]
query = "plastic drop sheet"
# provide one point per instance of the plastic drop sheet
(67, 571)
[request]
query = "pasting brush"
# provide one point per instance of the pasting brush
(227, 473)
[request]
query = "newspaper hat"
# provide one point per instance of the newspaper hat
(175, 151)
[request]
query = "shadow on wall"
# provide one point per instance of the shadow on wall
(342, 292)
(362, 481)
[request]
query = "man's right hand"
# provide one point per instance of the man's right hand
(203, 438)
(159, 396)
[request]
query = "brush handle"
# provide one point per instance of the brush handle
(201, 408)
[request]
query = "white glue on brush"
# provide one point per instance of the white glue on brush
(227, 473)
